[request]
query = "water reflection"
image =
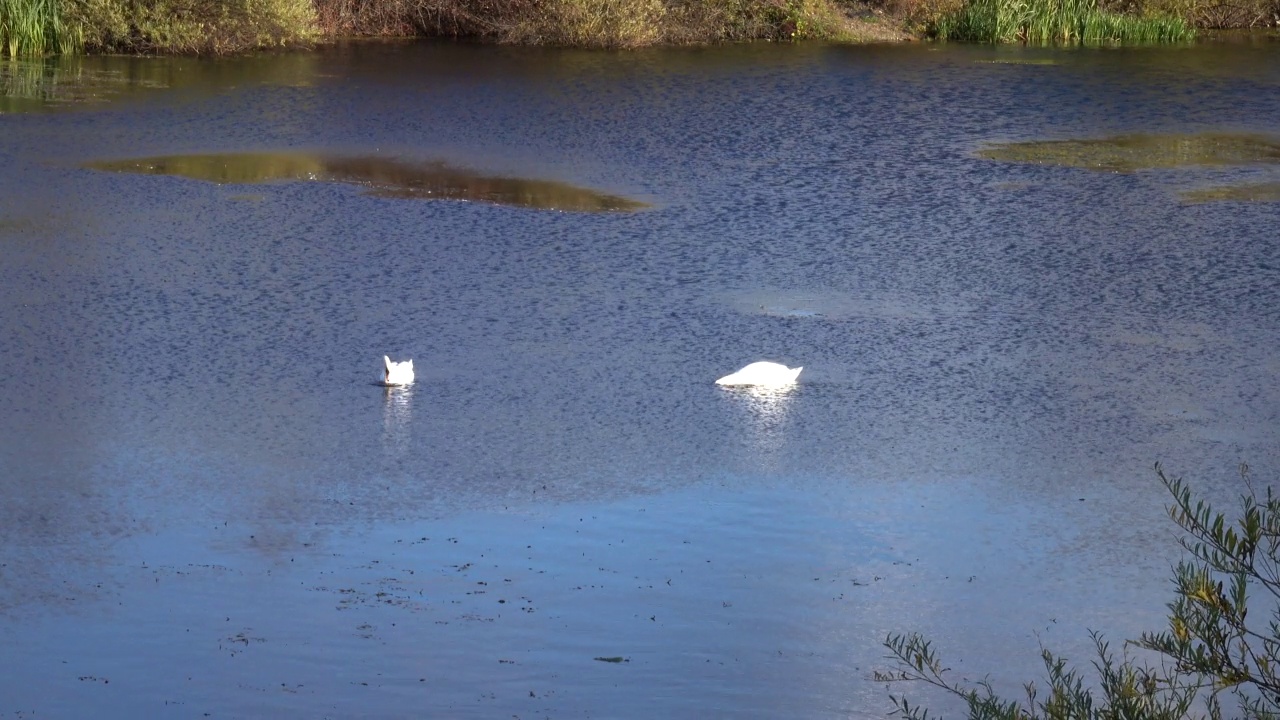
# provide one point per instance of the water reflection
(384, 177)
(1125, 153)
(397, 411)
(69, 81)
(28, 85)
(764, 416)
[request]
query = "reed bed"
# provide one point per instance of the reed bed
(1056, 22)
(36, 27)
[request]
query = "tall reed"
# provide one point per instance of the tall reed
(36, 27)
(1056, 22)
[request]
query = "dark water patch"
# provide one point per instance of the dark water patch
(1140, 151)
(384, 177)
(1252, 192)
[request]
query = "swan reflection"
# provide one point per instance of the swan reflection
(397, 410)
(764, 414)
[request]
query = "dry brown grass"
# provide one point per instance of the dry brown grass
(918, 15)
(403, 18)
(1207, 13)
(607, 23)
(594, 23)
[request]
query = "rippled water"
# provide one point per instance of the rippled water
(210, 507)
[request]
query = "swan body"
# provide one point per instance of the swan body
(397, 373)
(764, 374)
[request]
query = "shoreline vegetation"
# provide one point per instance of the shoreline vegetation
(34, 28)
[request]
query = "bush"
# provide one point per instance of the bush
(1211, 648)
(1205, 13)
(192, 26)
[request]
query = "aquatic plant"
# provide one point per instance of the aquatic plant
(1055, 22)
(36, 27)
(1212, 647)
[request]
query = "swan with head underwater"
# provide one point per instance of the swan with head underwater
(762, 374)
(397, 373)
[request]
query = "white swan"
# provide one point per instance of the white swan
(765, 374)
(397, 373)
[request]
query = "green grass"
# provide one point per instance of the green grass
(1055, 22)
(35, 27)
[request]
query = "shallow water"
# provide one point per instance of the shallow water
(210, 507)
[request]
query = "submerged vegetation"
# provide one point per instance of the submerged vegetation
(1126, 153)
(1140, 151)
(1248, 192)
(382, 177)
(1212, 650)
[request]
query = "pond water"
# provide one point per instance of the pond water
(211, 510)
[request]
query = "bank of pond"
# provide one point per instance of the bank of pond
(43, 27)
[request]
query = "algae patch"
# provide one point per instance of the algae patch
(382, 177)
(1126, 153)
